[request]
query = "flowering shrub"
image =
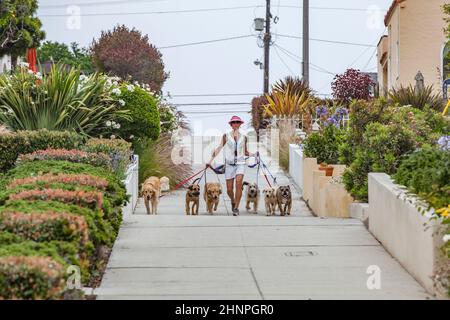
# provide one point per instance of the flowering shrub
(92, 200)
(47, 226)
(444, 143)
(73, 179)
(78, 156)
(31, 278)
(353, 84)
(145, 117)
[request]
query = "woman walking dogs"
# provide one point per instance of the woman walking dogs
(236, 149)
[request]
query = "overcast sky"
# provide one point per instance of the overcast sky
(226, 67)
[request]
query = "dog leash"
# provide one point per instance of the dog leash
(179, 185)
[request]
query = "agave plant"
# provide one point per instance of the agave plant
(287, 103)
(62, 100)
(417, 98)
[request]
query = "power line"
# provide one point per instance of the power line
(294, 57)
(121, 2)
(213, 95)
(207, 41)
(327, 41)
(150, 12)
(213, 104)
(281, 59)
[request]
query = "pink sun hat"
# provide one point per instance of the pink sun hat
(235, 119)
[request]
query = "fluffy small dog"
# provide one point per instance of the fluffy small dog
(151, 191)
(211, 195)
(284, 199)
(252, 196)
(192, 195)
(270, 199)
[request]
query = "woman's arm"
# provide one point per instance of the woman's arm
(247, 153)
(217, 150)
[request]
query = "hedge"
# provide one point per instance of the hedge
(23, 142)
(101, 231)
(49, 226)
(77, 156)
(119, 151)
(31, 278)
(115, 195)
(144, 113)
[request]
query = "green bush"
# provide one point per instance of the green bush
(32, 277)
(381, 149)
(362, 113)
(23, 142)
(324, 145)
(100, 230)
(426, 173)
(143, 108)
(427, 125)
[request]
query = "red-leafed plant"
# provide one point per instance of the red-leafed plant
(127, 53)
(90, 199)
(73, 179)
(353, 84)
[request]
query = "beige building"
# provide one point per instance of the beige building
(415, 42)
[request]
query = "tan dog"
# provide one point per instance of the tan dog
(284, 199)
(211, 195)
(192, 195)
(252, 196)
(151, 191)
(270, 199)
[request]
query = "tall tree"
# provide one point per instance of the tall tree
(62, 53)
(128, 54)
(19, 28)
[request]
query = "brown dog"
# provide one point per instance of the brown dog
(151, 191)
(252, 196)
(211, 195)
(192, 195)
(284, 198)
(270, 199)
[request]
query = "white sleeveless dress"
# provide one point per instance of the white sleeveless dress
(234, 152)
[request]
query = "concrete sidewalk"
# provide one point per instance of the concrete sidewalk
(173, 256)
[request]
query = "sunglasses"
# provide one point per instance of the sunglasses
(235, 122)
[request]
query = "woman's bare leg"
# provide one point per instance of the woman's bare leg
(230, 191)
(239, 181)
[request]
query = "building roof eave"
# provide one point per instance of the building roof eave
(388, 15)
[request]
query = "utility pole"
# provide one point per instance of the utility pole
(305, 66)
(267, 40)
